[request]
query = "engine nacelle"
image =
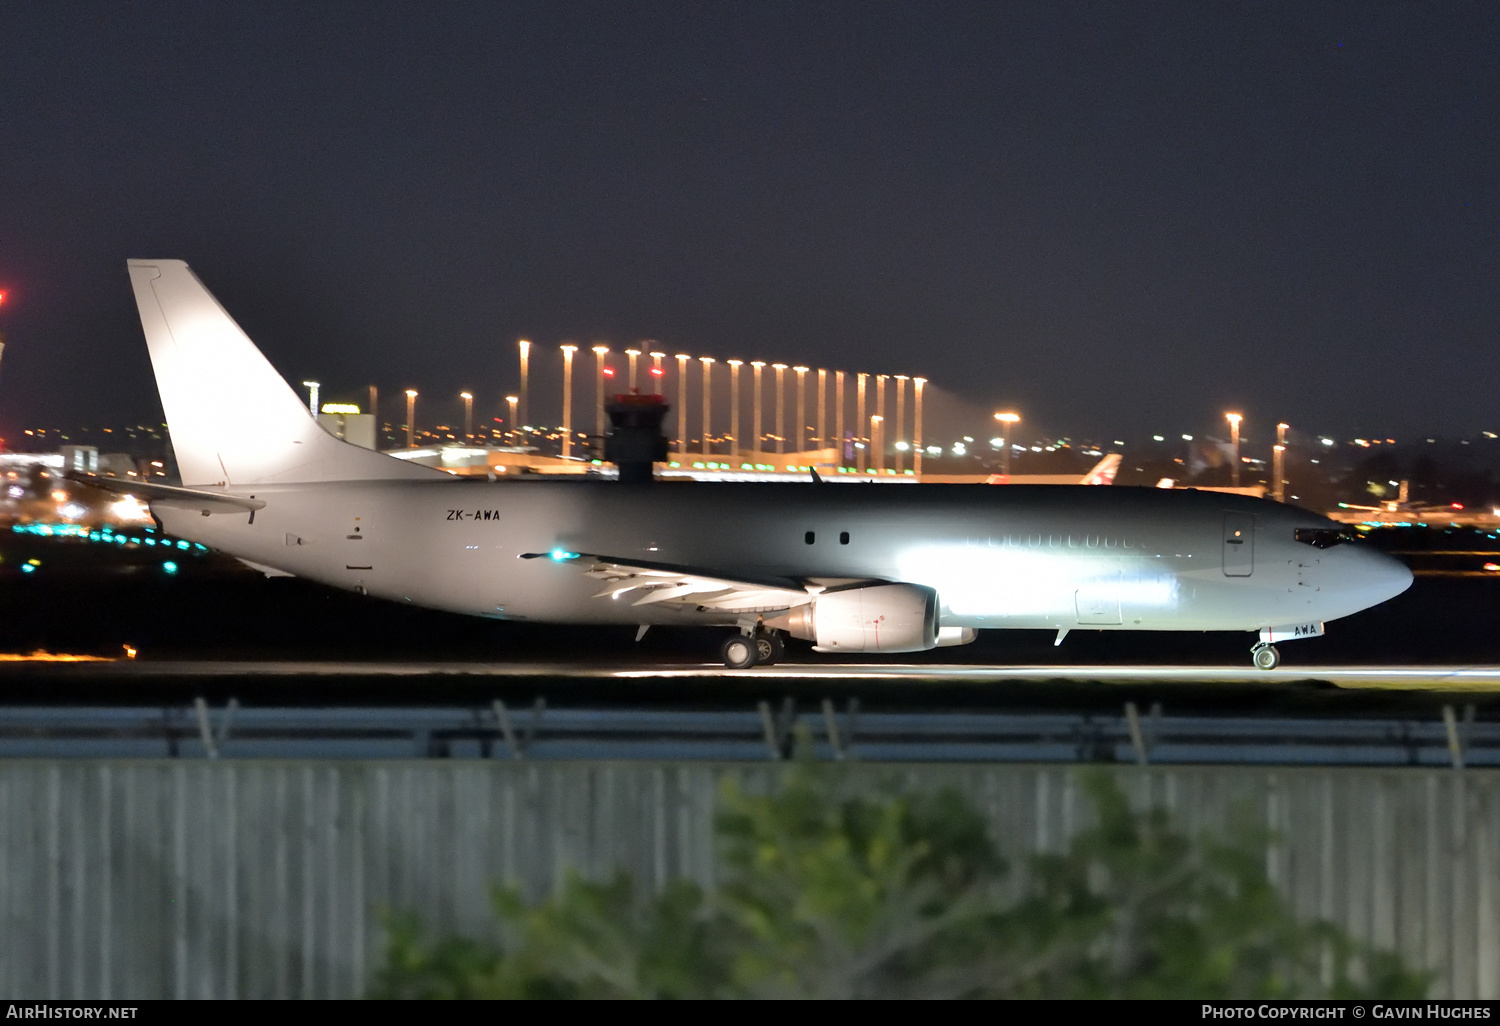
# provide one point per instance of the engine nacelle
(949, 637)
(879, 618)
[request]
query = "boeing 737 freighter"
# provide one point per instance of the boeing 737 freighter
(849, 568)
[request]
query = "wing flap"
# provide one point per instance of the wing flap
(697, 587)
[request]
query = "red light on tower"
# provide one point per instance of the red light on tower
(656, 372)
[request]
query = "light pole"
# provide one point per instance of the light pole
(312, 397)
(682, 439)
(801, 409)
(511, 401)
(880, 397)
(734, 405)
(634, 354)
(900, 421)
(1279, 463)
(656, 371)
(838, 414)
(1008, 421)
(374, 410)
(468, 398)
(525, 412)
(411, 418)
(780, 369)
(877, 441)
(567, 425)
(862, 451)
(916, 427)
(708, 366)
(822, 394)
(757, 366)
(1234, 440)
(600, 352)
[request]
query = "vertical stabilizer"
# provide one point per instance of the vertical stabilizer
(234, 421)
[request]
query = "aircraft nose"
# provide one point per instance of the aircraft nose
(1385, 577)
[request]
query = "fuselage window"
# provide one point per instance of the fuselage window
(1322, 537)
(810, 537)
(843, 537)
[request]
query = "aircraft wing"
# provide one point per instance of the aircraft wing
(703, 589)
(199, 499)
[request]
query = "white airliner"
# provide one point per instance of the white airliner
(850, 568)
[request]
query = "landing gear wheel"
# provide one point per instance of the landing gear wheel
(1265, 657)
(740, 653)
(769, 648)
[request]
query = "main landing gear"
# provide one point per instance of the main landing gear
(762, 648)
(1264, 656)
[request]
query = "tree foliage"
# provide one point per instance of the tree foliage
(825, 890)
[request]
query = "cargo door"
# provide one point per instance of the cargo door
(1239, 544)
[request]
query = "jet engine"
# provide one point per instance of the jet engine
(878, 618)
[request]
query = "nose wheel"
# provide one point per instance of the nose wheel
(1265, 657)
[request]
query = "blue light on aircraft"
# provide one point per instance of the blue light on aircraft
(562, 554)
(169, 567)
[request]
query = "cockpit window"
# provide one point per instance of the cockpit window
(1322, 537)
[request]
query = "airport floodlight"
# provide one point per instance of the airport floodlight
(411, 418)
(801, 408)
(780, 369)
(822, 408)
(682, 439)
(708, 363)
(757, 366)
(510, 401)
(600, 352)
(860, 423)
(468, 398)
(734, 405)
(1234, 440)
(901, 447)
(1008, 420)
(634, 355)
(567, 424)
(525, 348)
(916, 426)
(312, 396)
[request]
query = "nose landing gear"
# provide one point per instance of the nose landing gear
(1264, 656)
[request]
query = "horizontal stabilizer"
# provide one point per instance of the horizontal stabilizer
(173, 497)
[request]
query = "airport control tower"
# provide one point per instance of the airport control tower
(634, 440)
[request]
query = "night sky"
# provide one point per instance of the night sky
(1117, 218)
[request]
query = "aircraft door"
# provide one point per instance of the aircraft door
(1239, 544)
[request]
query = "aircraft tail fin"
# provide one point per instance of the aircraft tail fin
(1104, 471)
(233, 419)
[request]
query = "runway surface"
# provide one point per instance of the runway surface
(1426, 678)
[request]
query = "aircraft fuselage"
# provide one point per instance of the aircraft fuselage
(1055, 557)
